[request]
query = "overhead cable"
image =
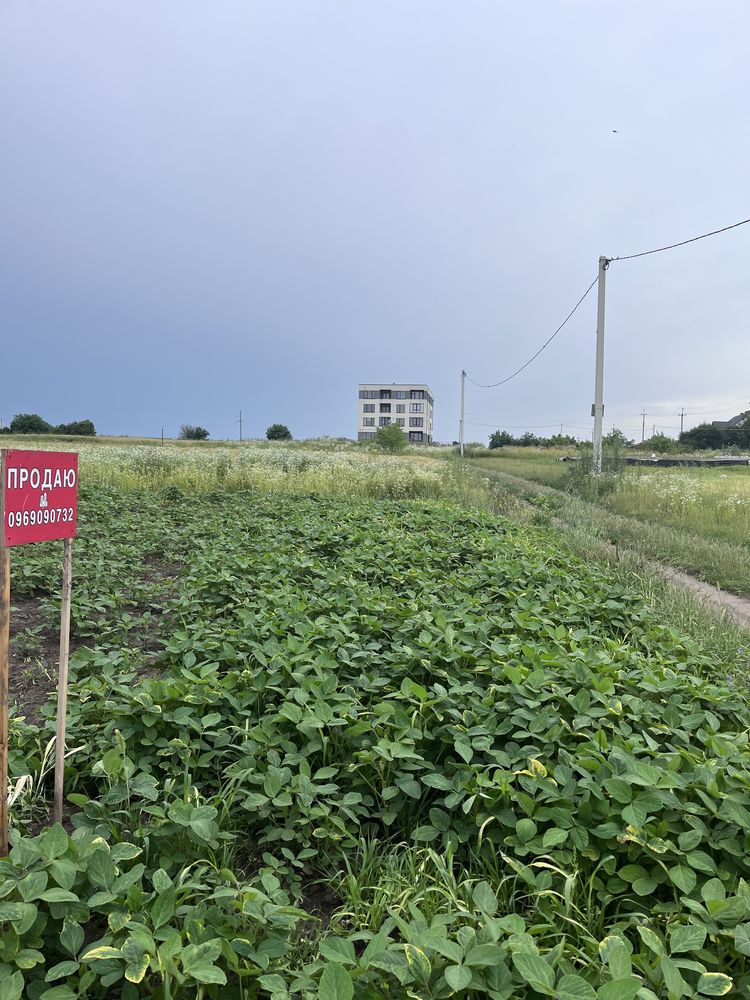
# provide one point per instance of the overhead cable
(682, 243)
(494, 385)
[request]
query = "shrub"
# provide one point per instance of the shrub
(278, 432)
(29, 423)
(390, 438)
(190, 433)
(83, 428)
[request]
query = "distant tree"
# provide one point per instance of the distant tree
(616, 439)
(279, 432)
(83, 428)
(660, 444)
(190, 433)
(390, 438)
(29, 423)
(499, 439)
(704, 436)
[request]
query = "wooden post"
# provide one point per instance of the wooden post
(62, 680)
(4, 644)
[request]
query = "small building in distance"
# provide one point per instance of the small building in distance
(406, 404)
(726, 425)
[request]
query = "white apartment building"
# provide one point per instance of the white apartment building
(408, 405)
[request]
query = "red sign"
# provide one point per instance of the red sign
(39, 496)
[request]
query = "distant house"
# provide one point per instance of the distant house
(725, 425)
(381, 404)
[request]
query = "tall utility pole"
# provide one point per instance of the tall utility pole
(682, 418)
(461, 421)
(643, 426)
(240, 423)
(597, 410)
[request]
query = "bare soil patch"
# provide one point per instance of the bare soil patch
(34, 657)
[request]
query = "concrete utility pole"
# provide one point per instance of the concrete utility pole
(643, 426)
(461, 422)
(682, 418)
(240, 423)
(597, 410)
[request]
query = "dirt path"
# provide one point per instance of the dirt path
(736, 608)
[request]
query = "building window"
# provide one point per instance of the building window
(385, 393)
(416, 407)
(416, 421)
(368, 394)
(400, 421)
(385, 407)
(369, 407)
(416, 436)
(417, 394)
(368, 422)
(400, 408)
(384, 421)
(400, 394)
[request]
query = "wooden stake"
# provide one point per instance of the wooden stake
(4, 643)
(62, 680)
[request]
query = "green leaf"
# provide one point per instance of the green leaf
(484, 898)
(136, 970)
(27, 958)
(337, 949)
(554, 837)
(713, 890)
(71, 936)
(651, 940)
(25, 921)
(525, 830)
(59, 896)
(202, 822)
(125, 852)
(572, 987)
(335, 983)
(100, 953)
(12, 988)
(619, 989)
(163, 908)
(672, 978)
(714, 984)
(457, 977)
(409, 787)
(484, 955)
(742, 939)
(689, 937)
(32, 886)
(61, 971)
(59, 993)
(419, 963)
(683, 877)
(63, 872)
(442, 945)
(53, 842)
(160, 880)
(101, 869)
(197, 962)
(616, 954)
(533, 970)
(634, 814)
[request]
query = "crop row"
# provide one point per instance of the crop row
(333, 748)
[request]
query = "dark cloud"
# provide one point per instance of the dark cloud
(208, 207)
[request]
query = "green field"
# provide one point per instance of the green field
(338, 733)
(695, 519)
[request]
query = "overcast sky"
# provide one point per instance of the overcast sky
(238, 205)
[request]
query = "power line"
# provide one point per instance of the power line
(494, 385)
(682, 243)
